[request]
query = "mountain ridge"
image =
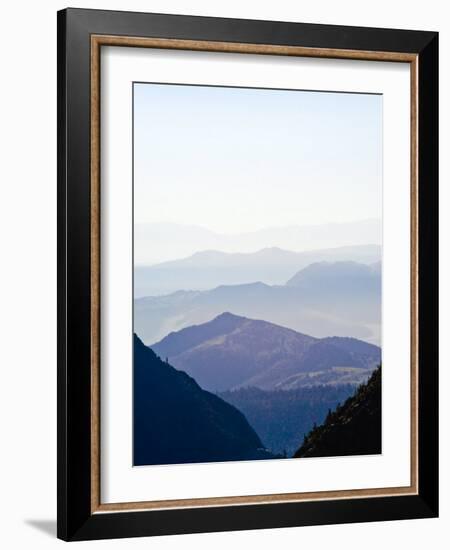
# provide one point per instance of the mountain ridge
(207, 269)
(343, 306)
(328, 272)
(170, 241)
(233, 351)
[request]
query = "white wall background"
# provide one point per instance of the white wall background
(28, 274)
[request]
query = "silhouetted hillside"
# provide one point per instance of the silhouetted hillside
(175, 421)
(352, 429)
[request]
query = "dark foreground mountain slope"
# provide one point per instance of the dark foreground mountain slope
(232, 351)
(352, 429)
(175, 421)
(282, 418)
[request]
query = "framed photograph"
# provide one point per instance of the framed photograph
(248, 298)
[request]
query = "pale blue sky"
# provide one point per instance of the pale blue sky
(235, 160)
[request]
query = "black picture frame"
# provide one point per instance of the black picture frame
(76, 521)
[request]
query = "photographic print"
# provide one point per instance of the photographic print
(257, 274)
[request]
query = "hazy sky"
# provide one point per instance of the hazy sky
(234, 159)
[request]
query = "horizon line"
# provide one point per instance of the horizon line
(266, 248)
(264, 228)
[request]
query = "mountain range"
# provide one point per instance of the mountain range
(211, 268)
(175, 421)
(232, 352)
(325, 298)
(158, 242)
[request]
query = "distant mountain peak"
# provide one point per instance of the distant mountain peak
(208, 254)
(326, 270)
(225, 322)
(168, 241)
(228, 315)
(234, 321)
(243, 286)
(340, 265)
(274, 250)
(211, 267)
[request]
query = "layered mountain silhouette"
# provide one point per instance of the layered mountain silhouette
(340, 298)
(352, 429)
(341, 276)
(176, 421)
(211, 268)
(168, 241)
(232, 351)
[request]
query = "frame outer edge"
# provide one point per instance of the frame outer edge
(74, 385)
(75, 522)
(61, 279)
(428, 131)
(156, 24)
